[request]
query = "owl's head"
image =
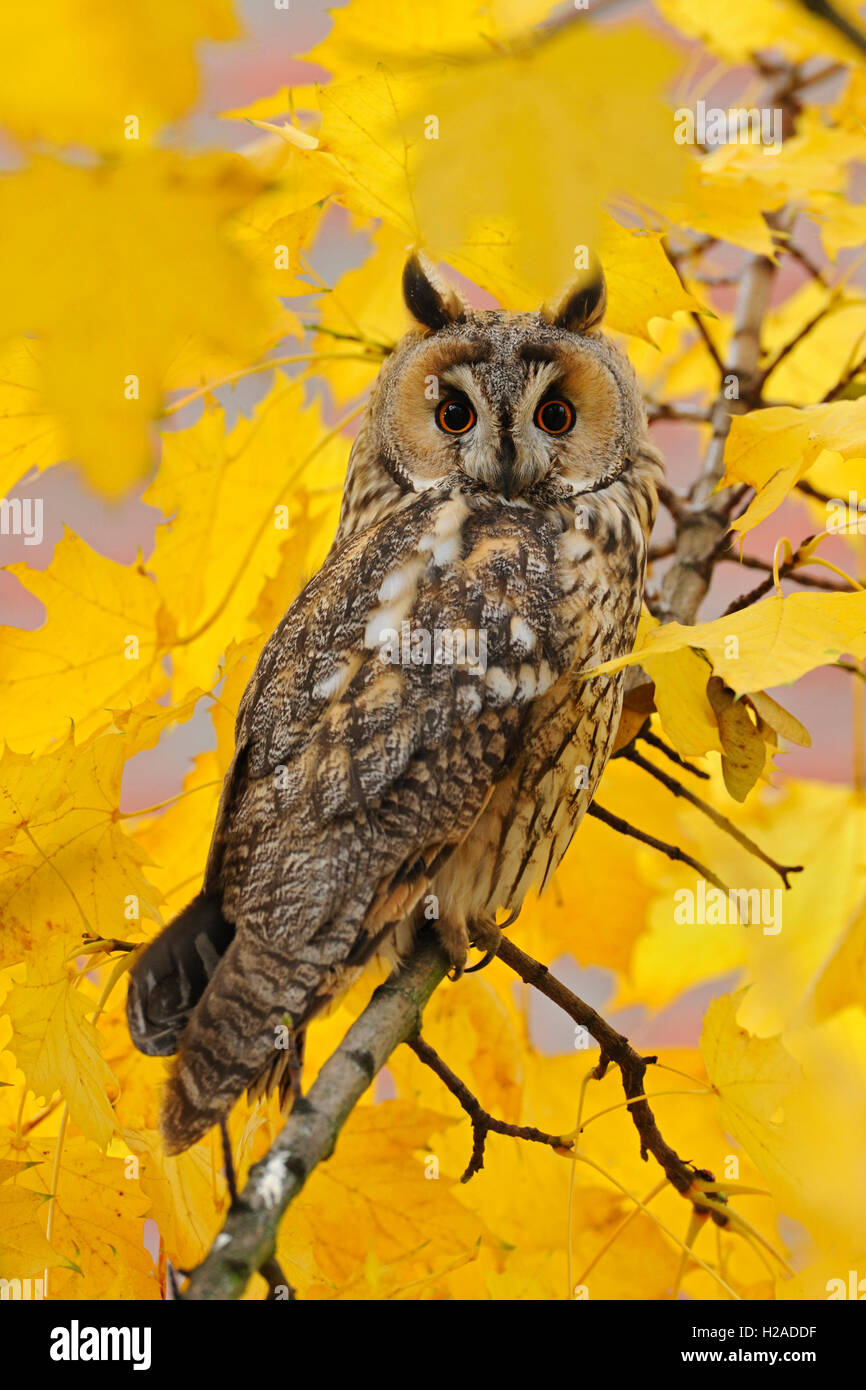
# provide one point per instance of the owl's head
(522, 404)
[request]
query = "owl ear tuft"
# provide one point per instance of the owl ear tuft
(429, 300)
(583, 307)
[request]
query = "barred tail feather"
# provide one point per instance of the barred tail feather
(233, 1037)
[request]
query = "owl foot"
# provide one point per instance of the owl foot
(455, 939)
(486, 936)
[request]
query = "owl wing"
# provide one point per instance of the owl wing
(364, 754)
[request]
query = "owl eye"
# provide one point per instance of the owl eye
(555, 417)
(455, 417)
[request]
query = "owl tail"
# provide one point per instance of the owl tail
(236, 1034)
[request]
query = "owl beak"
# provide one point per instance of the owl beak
(505, 466)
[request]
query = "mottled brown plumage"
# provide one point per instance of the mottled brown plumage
(378, 777)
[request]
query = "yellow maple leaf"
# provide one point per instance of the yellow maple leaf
(776, 1097)
(764, 441)
(752, 1076)
(74, 70)
(69, 864)
(551, 208)
(166, 272)
(373, 1194)
(808, 372)
(411, 36)
(180, 1194)
(745, 27)
(24, 1251)
(729, 206)
(770, 643)
(816, 157)
(683, 706)
(373, 131)
(209, 571)
(56, 1044)
(641, 282)
(30, 437)
(52, 681)
(843, 979)
(98, 1221)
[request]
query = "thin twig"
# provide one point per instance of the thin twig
(787, 571)
(799, 255)
(687, 414)
(752, 562)
(845, 381)
(810, 491)
(824, 10)
(794, 342)
(672, 851)
(655, 742)
(697, 320)
(228, 1162)
(483, 1123)
(715, 816)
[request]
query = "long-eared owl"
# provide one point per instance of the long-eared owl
(419, 728)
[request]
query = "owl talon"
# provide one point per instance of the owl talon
(455, 940)
(486, 936)
(488, 956)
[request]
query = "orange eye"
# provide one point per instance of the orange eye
(555, 417)
(455, 417)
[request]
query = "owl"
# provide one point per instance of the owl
(420, 737)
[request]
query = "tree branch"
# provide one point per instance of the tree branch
(702, 525)
(248, 1238)
(614, 1048)
(483, 1123)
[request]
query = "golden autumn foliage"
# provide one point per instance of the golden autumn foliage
(143, 281)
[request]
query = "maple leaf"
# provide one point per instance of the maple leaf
(98, 1222)
(408, 37)
(30, 437)
(208, 570)
(745, 28)
(372, 1196)
(53, 680)
(771, 450)
(73, 68)
(166, 271)
(770, 643)
(24, 1251)
(69, 863)
(56, 1044)
(751, 1075)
